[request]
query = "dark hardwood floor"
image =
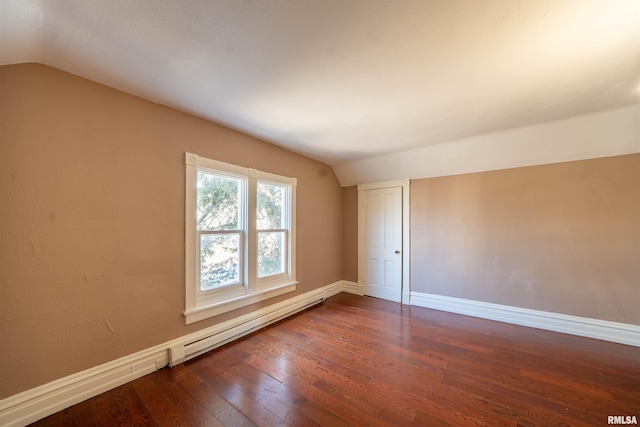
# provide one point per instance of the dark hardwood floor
(361, 361)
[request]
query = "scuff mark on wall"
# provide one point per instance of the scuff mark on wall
(110, 327)
(34, 246)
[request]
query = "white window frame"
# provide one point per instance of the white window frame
(267, 282)
(199, 304)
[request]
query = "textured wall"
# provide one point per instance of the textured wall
(563, 238)
(92, 221)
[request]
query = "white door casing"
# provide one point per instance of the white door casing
(383, 240)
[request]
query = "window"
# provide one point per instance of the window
(239, 236)
(271, 225)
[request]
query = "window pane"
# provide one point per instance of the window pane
(219, 262)
(271, 253)
(218, 202)
(270, 206)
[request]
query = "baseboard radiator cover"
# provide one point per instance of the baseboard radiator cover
(34, 404)
(621, 333)
(239, 327)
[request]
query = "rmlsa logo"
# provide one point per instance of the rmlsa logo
(622, 419)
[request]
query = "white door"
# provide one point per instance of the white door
(383, 243)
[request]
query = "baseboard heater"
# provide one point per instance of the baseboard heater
(236, 328)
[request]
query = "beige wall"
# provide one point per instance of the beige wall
(350, 233)
(92, 221)
(563, 238)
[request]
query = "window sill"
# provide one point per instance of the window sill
(211, 310)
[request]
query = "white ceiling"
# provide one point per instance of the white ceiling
(342, 80)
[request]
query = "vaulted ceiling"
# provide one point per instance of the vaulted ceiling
(341, 80)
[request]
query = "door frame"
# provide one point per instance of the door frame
(405, 184)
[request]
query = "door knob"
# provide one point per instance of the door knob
(397, 252)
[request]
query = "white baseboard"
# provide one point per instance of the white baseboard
(352, 287)
(34, 404)
(37, 403)
(582, 326)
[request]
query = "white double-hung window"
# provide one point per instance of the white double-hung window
(239, 236)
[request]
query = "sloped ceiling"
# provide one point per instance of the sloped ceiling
(343, 80)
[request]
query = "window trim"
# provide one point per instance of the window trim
(200, 305)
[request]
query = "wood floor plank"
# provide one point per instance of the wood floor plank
(79, 415)
(306, 381)
(196, 414)
(160, 407)
(105, 410)
(349, 414)
(296, 369)
(250, 407)
(224, 411)
(394, 372)
(421, 390)
(376, 345)
(288, 411)
(354, 361)
(297, 407)
(521, 403)
(121, 406)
